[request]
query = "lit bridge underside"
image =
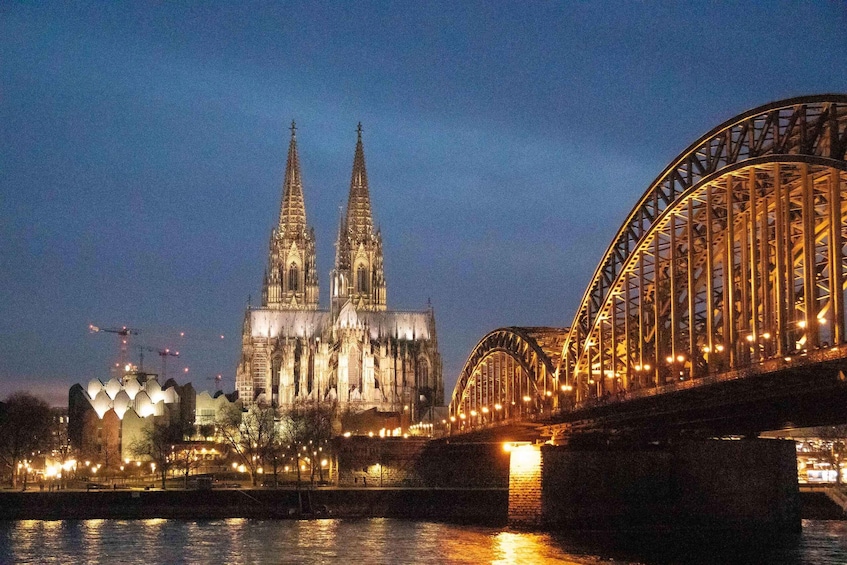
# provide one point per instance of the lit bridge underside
(724, 287)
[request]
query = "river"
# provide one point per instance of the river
(380, 540)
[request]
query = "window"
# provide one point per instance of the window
(362, 280)
(293, 278)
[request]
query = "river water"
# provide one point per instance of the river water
(380, 540)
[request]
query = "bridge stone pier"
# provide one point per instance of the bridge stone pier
(704, 485)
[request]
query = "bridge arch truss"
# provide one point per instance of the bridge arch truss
(510, 375)
(733, 257)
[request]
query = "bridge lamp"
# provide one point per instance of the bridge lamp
(719, 348)
(498, 406)
(801, 323)
(766, 335)
(473, 412)
(485, 409)
(821, 319)
(680, 358)
(526, 399)
(452, 418)
(750, 338)
(669, 358)
(548, 393)
(462, 416)
(567, 388)
(706, 349)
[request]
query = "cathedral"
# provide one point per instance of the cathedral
(358, 353)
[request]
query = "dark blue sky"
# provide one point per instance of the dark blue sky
(143, 146)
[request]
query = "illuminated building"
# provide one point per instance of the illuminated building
(357, 353)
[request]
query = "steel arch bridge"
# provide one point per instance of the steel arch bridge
(730, 264)
(510, 375)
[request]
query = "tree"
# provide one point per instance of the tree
(25, 429)
(250, 435)
(185, 458)
(158, 438)
(307, 427)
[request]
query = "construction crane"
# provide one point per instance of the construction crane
(123, 334)
(163, 353)
(217, 380)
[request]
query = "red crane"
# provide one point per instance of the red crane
(123, 333)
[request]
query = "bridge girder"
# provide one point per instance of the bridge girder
(751, 215)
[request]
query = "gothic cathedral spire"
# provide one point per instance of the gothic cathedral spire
(358, 275)
(291, 280)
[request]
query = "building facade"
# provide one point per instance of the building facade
(358, 352)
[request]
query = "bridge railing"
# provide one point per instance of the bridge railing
(763, 367)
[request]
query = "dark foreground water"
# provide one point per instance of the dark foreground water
(380, 540)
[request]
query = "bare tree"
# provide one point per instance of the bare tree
(158, 438)
(307, 428)
(185, 458)
(25, 429)
(249, 435)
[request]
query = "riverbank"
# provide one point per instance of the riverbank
(464, 506)
(476, 506)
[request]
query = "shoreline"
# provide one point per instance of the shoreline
(478, 506)
(484, 506)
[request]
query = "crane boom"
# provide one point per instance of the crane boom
(163, 353)
(123, 333)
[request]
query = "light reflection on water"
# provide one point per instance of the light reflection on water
(381, 540)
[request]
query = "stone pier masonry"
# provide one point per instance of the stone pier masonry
(704, 485)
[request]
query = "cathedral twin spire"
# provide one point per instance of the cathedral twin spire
(291, 280)
(292, 211)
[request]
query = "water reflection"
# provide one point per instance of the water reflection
(385, 541)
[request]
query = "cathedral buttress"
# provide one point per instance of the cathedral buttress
(358, 275)
(291, 280)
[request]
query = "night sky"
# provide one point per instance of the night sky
(142, 148)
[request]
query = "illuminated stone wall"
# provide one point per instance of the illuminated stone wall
(525, 487)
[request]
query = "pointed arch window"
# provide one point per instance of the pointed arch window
(293, 278)
(362, 279)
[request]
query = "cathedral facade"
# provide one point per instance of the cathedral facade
(358, 353)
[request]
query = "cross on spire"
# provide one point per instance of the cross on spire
(359, 130)
(293, 129)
